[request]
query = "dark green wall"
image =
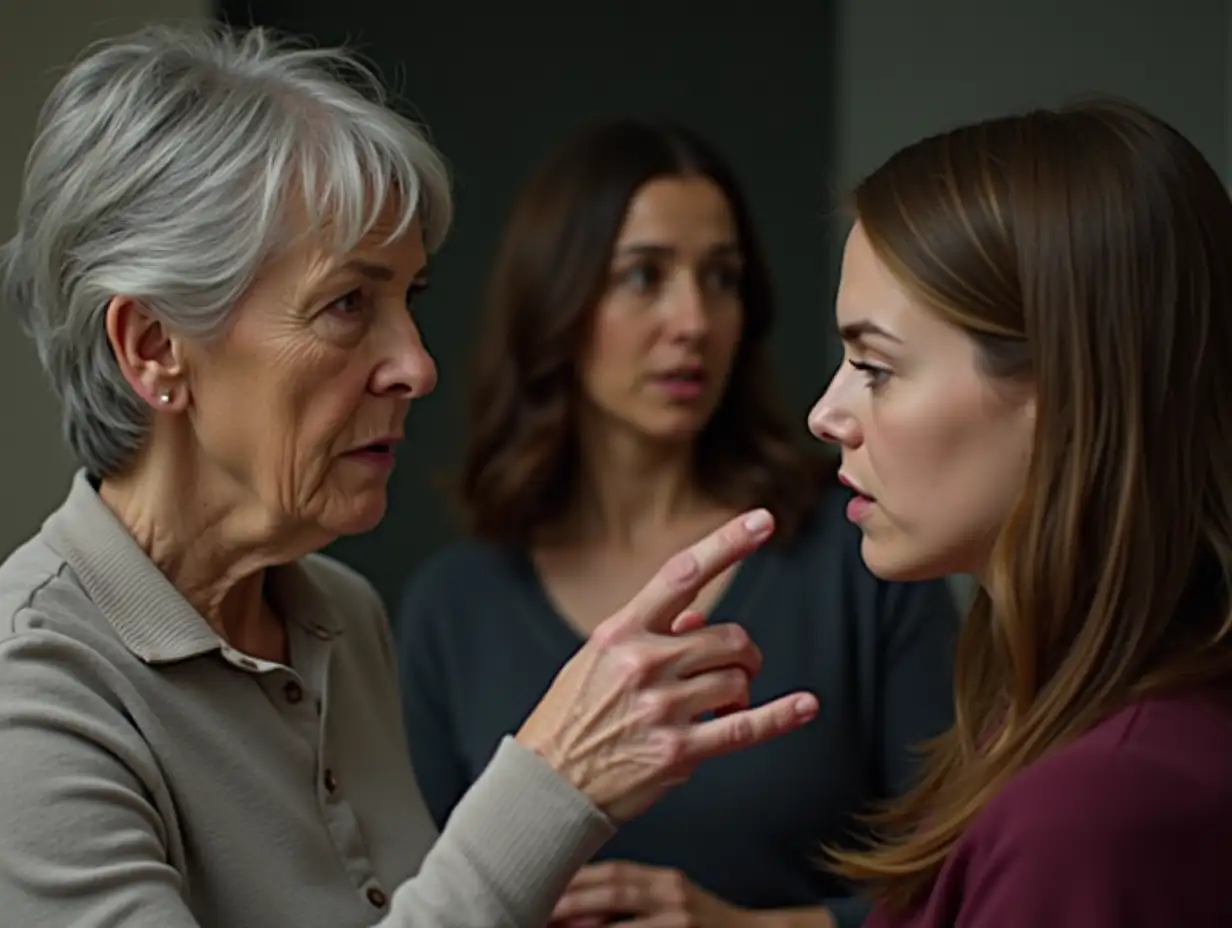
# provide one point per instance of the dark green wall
(496, 90)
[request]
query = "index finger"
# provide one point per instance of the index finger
(677, 583)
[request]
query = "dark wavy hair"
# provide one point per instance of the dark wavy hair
(521, 466)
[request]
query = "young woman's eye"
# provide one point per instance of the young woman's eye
(874, 376)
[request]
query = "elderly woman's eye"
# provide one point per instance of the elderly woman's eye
(415, 291)
(348, 304)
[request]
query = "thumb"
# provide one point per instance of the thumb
(688, 621)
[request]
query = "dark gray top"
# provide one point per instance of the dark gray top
(479, 642)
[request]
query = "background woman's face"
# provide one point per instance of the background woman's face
(666, 330)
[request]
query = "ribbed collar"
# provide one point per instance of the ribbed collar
(148, 614)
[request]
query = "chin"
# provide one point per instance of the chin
(363, 513)
(684, 427)
(896, 562)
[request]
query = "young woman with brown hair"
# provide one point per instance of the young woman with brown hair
(1037, 390)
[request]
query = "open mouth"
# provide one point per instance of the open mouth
(682, 383)
(859, 494)
(685, 375)
(379, 452)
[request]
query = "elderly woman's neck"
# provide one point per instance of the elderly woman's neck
(213, 551)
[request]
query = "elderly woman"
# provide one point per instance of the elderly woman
(218, 247)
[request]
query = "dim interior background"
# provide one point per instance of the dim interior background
(801, 95)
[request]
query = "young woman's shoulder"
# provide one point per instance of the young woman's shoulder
(1129, 824)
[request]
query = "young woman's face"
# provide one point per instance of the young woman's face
(935, 452)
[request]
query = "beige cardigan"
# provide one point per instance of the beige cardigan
(151, 776)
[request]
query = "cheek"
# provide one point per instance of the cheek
(951, 465)
(618, 344)
(726, 330)
(914, 449)
(273, 408)
(319, 391)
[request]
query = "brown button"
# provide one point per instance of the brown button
(377, 897)
(331, 782)
(293, 691)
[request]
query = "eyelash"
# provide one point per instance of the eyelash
(336, 306)
(358, 294)
(876, 376)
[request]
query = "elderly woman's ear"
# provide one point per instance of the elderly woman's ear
(149, 356)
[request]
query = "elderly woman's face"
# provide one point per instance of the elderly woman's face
(303, 401)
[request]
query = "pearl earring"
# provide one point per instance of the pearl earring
(164, 397)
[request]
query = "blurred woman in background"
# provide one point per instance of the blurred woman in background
(622, 409)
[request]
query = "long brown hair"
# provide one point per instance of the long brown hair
(1085, 251)
(552, 265)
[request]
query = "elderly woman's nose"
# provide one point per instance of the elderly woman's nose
(406, 367)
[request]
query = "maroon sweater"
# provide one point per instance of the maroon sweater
(1130, 826)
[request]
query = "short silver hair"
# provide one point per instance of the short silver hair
(164, 168)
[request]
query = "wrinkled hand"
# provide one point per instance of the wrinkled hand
(621, 720)
(639, 896)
